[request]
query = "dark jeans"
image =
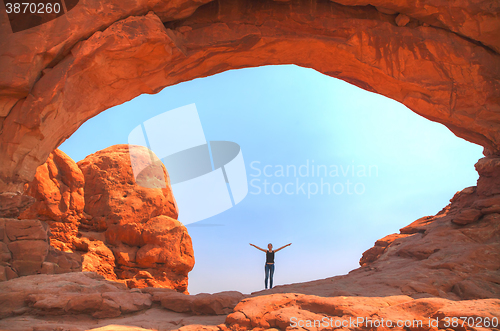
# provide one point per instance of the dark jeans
(269, 269)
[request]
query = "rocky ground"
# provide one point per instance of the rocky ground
(86, 301)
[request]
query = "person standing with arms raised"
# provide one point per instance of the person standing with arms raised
(269, 268)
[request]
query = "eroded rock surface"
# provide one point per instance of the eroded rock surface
(297, 311)
(85, 300)
(59, 201)
(124, 225)
(135, 215)
(25, 250)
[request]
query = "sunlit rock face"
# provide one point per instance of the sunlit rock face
(58, 190)
(123, 224)
(439, 59)
(25, 250)
(135, 215)
(298, 311)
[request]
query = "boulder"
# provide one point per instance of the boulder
(467, 216)
(12, 204)
(402, 20)
(69, 293)
(287, 311)
(26, 230)
(28, 256)
(221, 303)
(115, 195)
(133, 220)
(488, 169)
(59, 201)
(123, 224)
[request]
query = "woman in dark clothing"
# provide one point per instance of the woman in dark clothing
(269, 268)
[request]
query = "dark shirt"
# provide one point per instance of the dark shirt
(269, 257)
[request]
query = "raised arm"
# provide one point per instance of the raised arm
(260, 249)
(282, 247)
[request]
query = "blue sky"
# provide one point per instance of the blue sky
(288, 115)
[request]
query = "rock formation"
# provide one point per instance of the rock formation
(74, 296)
(440, 60)
(59, 201)
(135, 215)
(284, 311)
(56, 302)
(124, 225)
(25, 250)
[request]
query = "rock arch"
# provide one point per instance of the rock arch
(440, 60)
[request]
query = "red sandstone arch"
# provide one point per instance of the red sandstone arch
(444, 63)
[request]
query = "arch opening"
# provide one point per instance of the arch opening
(317, 121)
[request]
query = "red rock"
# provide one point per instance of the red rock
(488, 183)
(467, 216)
(418, 226)
(13, 203)
(380, 247)
(25, 250)
(164, 238)
(199, 327)
(119, 328)
(128, 212)
(2, 229)
(125, 255)
(402, 20)
(371, 255)
(221, 303)
(28, 255)
(3, 275)
(58, 192)
(10, 274)
(284, 311)
(473, 289)
(98, 258)
(69, 293)
(5, 255)
(111, 191)
(178, 302)
(26, 230)
(129, 302)
(136, 214)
